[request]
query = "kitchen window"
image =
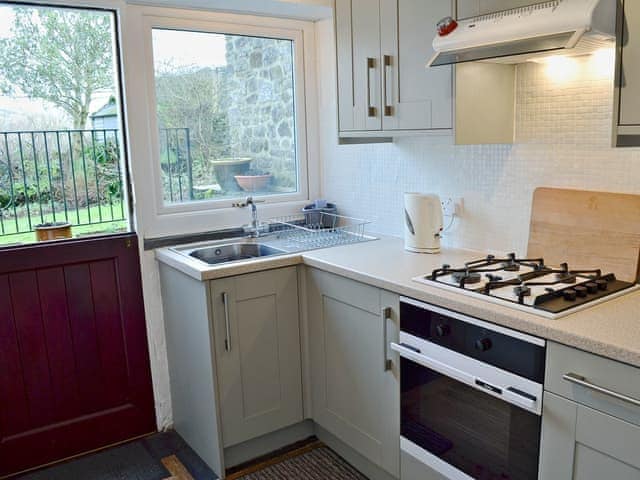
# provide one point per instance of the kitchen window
(229, 114)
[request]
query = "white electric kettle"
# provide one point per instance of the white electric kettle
(423, 222)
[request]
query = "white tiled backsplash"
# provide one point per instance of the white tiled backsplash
(563, 131)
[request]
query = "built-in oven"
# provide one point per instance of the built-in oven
(471, 394)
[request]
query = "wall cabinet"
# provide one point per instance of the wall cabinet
(384, 86)
(257, 347)
(628, 76)
(354, 382)
(589, 434)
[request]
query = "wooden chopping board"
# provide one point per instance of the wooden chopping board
(587, 229)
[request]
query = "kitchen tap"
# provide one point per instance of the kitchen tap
(254, 228)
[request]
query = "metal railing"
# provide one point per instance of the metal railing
(176, 164)
(73, 176)
(76, 176)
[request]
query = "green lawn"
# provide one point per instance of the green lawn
(107, 227)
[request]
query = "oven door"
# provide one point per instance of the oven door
(467, 423)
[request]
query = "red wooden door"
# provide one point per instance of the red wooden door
(74, 363)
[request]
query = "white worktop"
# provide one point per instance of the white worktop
(610, 329)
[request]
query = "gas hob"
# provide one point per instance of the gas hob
(530, 284)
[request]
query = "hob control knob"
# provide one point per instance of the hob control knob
(570, 295)
(483, 344)
(443, 330)
(592, 287)
(581, 291)
(602, 284)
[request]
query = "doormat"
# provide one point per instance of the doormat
(162, 456)
(309, 462)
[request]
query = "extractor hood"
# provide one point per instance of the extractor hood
(516, 35)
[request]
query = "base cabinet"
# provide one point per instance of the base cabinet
(233, 347)
(354, 380)
(580, 443)
(590, 424)
(257, 345)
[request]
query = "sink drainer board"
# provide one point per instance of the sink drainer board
(328, 229)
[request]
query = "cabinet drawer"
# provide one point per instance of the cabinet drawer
(615, 379)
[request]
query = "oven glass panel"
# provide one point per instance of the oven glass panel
(483, 436)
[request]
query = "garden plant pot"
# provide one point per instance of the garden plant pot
(227, 168)
(253, 183)
(52, 231)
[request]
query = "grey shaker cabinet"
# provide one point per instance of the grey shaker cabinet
(580, 443)
(257, 348)
(628, 78)
(589, 434)
(383, 83)
(354, 380)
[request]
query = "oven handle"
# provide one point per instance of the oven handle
(439, 367)
(509, 395)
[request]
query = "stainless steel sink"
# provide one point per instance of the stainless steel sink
(232, 252)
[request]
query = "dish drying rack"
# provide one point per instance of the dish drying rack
(320, 230)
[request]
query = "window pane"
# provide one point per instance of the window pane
(226, 115)
(60, 142)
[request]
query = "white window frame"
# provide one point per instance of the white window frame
(163, 219)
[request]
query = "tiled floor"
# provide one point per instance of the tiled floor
(157, 457)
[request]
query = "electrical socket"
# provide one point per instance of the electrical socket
(452, 207)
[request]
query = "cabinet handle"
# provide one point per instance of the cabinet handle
(371, 110)
(386, 316)
(227, 336)
(388, 109)
(582, 381)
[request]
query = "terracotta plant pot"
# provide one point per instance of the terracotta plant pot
(52, 231)
(253, 183)
(227, 168)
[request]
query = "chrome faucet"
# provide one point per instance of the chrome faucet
(254, 228)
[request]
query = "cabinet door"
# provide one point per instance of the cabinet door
(630, 79)
(355, 391)
(581, 443)
(258, 353)
(358, 55)
(414, 96)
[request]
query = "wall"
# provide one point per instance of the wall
(563, 138)
(259, 88)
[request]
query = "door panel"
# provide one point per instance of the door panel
(258, 344)
(344, 56)
(365, 37)
(59, 342)
(420, 97)
(581, 443)
(611, 436)
(354, 393)
(74, 364)
(630, 88)
(259, 373)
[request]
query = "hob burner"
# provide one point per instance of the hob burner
(466, 277)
